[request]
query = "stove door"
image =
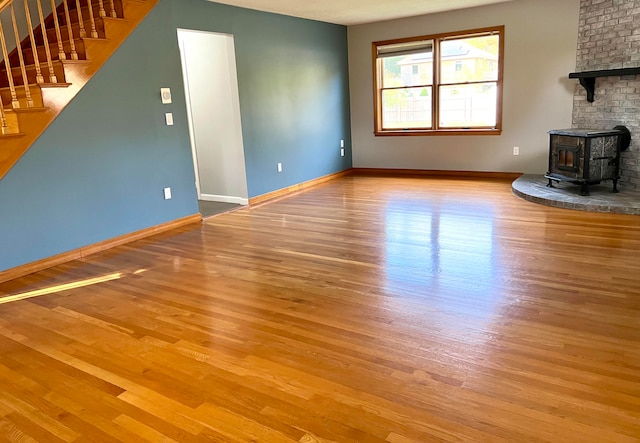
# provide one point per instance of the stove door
(565, 156)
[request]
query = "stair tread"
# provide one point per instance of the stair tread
(41, 85)
(23, 110)
(84, 9)
(71, 62)
(44, 64)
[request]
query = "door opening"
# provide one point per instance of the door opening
(213, 111)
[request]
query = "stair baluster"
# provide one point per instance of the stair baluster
(56, 24)
(114, 14)
(15, 104)
(101, 10)
(52, 75)
(3, 119)
(83, 32)
(94, 32)
(72, 42)
(23, 69)
(36, 60)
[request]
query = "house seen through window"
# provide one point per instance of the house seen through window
(448, 83)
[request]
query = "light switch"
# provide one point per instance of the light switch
(165, 94)
(169, 118)
(167, 193)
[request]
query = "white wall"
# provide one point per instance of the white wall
(209, 66)
(540, 52)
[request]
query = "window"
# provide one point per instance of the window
(440, 84)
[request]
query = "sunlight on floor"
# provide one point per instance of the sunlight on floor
(65, 287)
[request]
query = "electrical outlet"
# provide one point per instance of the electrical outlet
(279, 167)
(516, 150)
(342, 152)
(167, 193)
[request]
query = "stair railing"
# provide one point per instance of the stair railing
(22, 69)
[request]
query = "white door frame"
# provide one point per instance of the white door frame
(234, 153)
(187, 97)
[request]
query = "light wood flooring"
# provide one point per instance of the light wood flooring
(368, 309)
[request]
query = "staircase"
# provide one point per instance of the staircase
(58, 56)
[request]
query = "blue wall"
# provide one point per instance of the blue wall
(99, 169)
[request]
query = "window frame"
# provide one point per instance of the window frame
(436, 85)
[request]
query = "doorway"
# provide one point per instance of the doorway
(213, 111)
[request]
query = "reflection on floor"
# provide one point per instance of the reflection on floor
(209, 209)
(368, 309)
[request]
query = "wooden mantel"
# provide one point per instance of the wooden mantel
(588, 78)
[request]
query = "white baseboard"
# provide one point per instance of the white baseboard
(224, 199)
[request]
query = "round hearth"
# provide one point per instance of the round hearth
(566, 195)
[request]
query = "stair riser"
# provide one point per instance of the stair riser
(13, 126)
(53, 48)
(64, 31)
(36, 96)
(73, 15)
(58, 69)
(106, 4)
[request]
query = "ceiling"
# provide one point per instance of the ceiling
(354, 12)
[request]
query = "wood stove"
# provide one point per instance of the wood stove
(586, 156)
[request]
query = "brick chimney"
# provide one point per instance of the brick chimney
(609, 38)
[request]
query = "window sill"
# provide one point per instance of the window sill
(410, 132)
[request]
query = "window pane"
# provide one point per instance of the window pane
(469, 59)
(458, 75)
(407, 108)
(468, 106)
(408, 70)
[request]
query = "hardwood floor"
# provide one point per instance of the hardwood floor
(367, 309)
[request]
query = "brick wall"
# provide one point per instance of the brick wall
(609, 39)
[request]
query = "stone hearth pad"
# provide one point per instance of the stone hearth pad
(566, 195)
